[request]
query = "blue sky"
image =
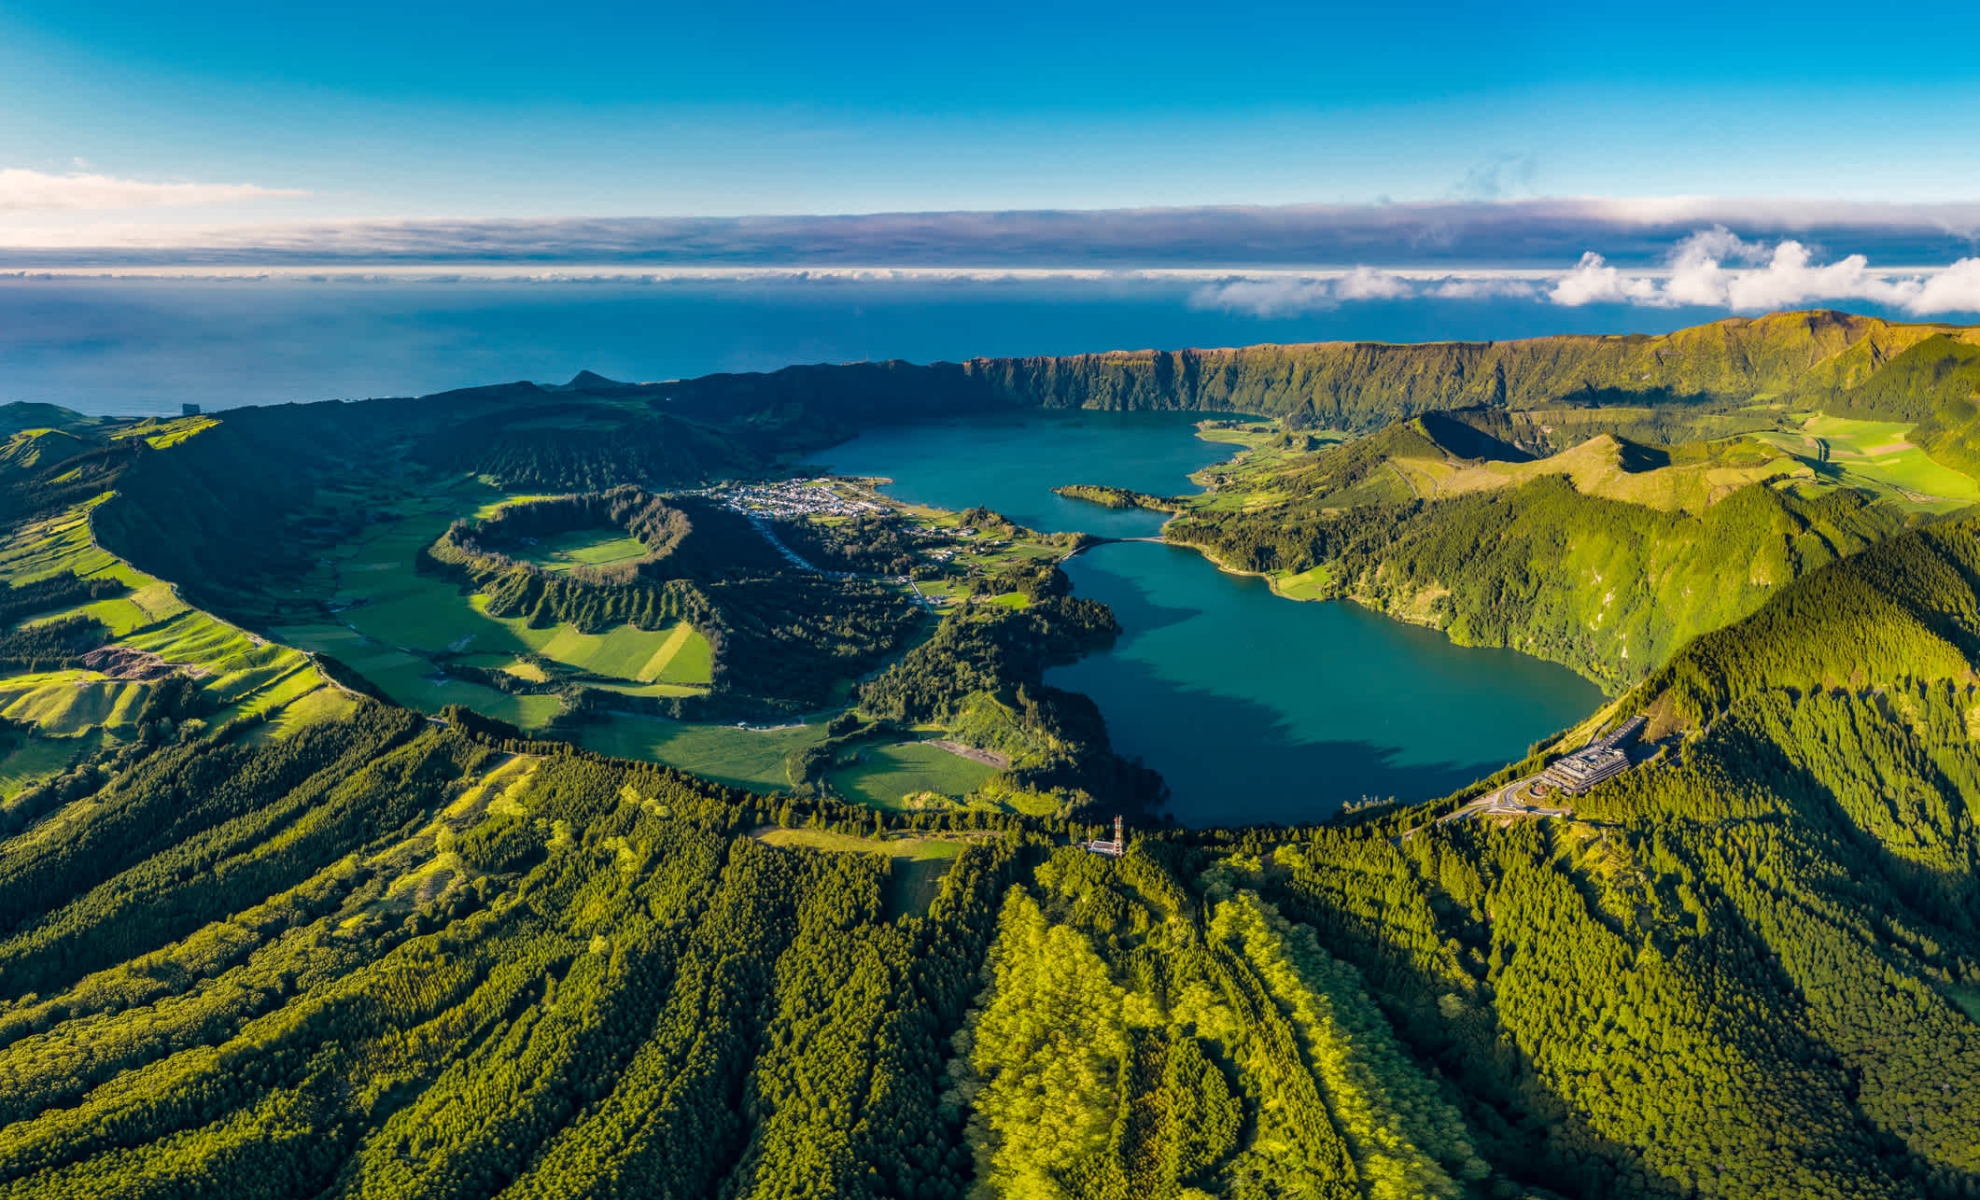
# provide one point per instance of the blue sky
(376, 110)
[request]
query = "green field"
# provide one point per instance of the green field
(146, 606)
(394, 617)
(322, 704)
(662, 690)
(1307, 585)
(242, 674)
(63, 543)
(29, 760)
(409, 679)
(413, 682)
(68, 703)
(585, 548)
(892, 772)
(1876, 455)
(391, 603)
(676, 654)
(744, 758)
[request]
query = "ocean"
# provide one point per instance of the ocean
(136, 346)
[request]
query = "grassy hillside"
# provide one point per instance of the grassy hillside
(391, 958)
(1606, 556)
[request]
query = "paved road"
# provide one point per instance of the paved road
(1512, 800)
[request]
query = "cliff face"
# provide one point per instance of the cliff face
(1825, 359)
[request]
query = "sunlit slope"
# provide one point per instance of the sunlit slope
(1606, 557)
(1571, 1006)
(1600, 467)
(384, 957)
(237, 674)
(1835, 361)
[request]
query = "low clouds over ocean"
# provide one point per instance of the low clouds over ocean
(1737, 255)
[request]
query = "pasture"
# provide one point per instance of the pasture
(585, 548)
(69, 703)
(1875, 456)
(739, 757)
(382, 597)
(25, 759)
(244, 675)
(890, 773)
(1307, 585)
(1600, 467)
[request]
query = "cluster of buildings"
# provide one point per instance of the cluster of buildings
(791, 498)
(1590, 765)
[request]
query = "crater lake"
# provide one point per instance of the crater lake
(1252, 706)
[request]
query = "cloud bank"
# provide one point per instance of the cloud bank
(1455, 235)
(1710, 268)
(22, 190)
(1733, 255)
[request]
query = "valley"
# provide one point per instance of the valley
(680, 789)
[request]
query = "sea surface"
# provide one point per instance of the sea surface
(1253, 707)
(137, 346)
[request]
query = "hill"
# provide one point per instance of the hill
(19, 415)
(1835, 361)
(263, 934)
(385, 957)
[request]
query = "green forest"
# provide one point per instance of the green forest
(266, 933)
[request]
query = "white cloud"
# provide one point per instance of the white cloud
(1484, 287)
(1789, 279)
(1366, 283)
(1696, 275)
(1955, 289)
(1785, 276)
(1284, 296)
(24, 190)
(1593, 281)
(1267, 297)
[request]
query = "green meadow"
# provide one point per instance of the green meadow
(891, 773)
(737, 756)
(243, 675)
(69, 703)
(1877, 456)
(391, 607)
(25, 759)
(586, 548)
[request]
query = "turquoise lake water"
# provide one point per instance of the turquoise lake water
(1253, 707)
(1012, 463)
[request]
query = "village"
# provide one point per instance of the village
(790, 498)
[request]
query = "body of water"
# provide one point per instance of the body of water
(1012, 463)
(1253, 707)
(135, 346)
(1258, 708)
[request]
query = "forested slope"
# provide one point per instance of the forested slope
(388, 957)
(1607, 587)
